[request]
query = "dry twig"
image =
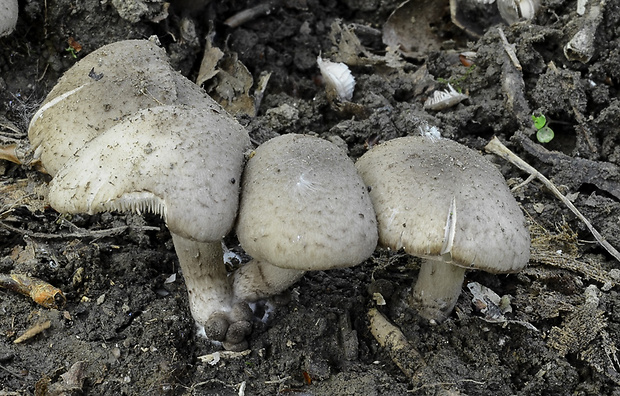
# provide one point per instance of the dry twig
(405, 355)
(496, 147)
(40, 291)
(37, 328)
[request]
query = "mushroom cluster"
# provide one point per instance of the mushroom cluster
(122, 131)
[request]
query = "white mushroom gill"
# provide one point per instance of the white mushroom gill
(137, 202)
(54, 102)
(441, 100)
(448, 239)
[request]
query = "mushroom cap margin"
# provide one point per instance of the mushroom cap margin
(126, 76)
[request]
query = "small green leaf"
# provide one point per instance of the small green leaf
(539, 121)
(545, 134)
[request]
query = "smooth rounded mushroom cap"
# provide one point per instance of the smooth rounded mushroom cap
(181, 162)
(8, 16)
(438, 198)
(303, 206)
(102, 89)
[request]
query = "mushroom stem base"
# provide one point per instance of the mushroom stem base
(437, 290)
(205, 277)
(260, 279)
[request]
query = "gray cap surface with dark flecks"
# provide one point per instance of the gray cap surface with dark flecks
(304, 207)
(102, 89)
(181, 162)
(438, 198)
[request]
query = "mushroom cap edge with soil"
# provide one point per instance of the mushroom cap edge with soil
(447, 204)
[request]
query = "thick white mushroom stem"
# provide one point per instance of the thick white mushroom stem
(437, 290)
(206, 279)
(259, 279)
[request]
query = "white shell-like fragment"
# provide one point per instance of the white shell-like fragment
(339, 82)
(581, 6)
(513, 11)
(444, 99)
(581, 46)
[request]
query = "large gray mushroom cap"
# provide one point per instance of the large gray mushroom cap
(440, 199)
(181, 162)
(99, 91)
(304, 207)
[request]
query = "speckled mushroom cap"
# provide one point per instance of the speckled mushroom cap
(303, 206)
(439, 198)
(102, 89)
(8, 16)
(181, 162)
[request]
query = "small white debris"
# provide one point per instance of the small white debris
(444, 99)
(581, 6)
(231, 258)
(489, 303)
(378, 297)
(171, 279)
(215, 357)
(339, 82)
(431, 132)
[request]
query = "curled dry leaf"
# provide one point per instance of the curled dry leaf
(40, 291)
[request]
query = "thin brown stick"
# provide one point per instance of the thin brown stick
(8, 153)
(251, 13)
(37, 328)
(406, 356)
(496, 147)
(80, 234)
